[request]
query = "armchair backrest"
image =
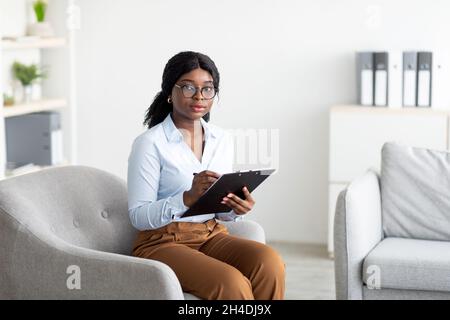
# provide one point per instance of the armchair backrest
(81, 205)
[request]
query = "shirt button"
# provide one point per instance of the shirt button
(104, 214)
(76, 223)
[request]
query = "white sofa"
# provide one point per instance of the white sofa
(370, 263)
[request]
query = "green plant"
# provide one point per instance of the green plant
(27, 74)
(8, 100)
(40, 7)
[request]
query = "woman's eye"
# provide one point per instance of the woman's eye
(208, 89)
(189, 88)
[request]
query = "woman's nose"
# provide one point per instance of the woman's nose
(197, 95)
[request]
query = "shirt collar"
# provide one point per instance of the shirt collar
(173, 134)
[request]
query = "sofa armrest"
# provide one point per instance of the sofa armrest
(357, 230)
(38, 266)
(246, 229)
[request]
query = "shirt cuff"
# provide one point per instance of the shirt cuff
(177, 206)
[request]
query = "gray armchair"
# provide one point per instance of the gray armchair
(369, 265)
(58, 218)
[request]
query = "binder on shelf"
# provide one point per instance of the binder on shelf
(424, 76)
(364, 76)
(395, 79)
(34, 138)
(381, 61)
(440, 75)
(409, 78)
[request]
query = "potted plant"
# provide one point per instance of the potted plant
(8, 100)
(27, 75)
(41, 27)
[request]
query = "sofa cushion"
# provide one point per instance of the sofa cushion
(415, 192)
(409, 264)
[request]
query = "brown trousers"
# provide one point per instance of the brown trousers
(211, 264)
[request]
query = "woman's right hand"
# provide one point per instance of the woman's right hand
(201, 182)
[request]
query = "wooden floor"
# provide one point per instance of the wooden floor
(309, 271)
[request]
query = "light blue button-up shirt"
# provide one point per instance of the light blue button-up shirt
(160, 170)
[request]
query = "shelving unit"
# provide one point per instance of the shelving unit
(358, 133)
(58, 89)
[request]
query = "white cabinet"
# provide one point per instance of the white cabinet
(358, 133)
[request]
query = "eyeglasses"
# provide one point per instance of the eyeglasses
(189, 91)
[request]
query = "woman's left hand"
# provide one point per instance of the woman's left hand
(239, 205)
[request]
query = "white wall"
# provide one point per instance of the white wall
(295, 57)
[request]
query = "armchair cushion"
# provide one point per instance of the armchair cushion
(415, 192)
(410, 264)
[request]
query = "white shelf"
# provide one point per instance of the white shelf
(35, 106)
(40, 43)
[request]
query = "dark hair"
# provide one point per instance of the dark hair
(178, 65)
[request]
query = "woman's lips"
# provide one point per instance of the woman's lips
(198, 108)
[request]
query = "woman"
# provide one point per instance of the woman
(170, 167)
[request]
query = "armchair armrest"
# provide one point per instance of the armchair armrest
(357, 230)
(246, 229)
(36, 266)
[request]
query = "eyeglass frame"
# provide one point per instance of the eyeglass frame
(196, 90)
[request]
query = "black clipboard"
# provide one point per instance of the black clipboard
(209, 202)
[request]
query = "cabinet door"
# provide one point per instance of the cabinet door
(356, 138)
(333, 192)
